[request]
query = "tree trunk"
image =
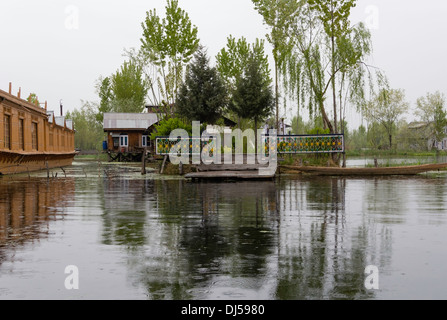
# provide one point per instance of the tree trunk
(256, 135)
(334, 96)
(276, 95)
(326, 118)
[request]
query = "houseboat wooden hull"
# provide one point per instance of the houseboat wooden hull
(13, 162)
(31, 137)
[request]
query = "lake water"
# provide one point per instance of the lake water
(128, 236)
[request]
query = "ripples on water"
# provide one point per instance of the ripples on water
(151, 237)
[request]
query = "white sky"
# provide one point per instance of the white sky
(59, 48)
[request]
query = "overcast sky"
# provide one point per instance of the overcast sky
(59, 48)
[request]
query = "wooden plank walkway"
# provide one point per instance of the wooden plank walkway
(230, 171)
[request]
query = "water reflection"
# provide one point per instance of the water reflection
(284, 240)
(27, 206)
(293, 238)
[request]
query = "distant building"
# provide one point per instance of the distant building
(424, 129)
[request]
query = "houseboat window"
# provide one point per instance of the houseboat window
(124, 140)
(144, 141)
(7, 122)
(34, 135)
(21, 137)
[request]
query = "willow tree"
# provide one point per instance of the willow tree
(167, 46)
(325, 53)
(334, 16)
(278, 15)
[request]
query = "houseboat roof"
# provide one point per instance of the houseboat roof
(129, 121)
(21, 102)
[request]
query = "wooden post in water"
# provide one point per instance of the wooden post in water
(180, 168)
(143, 162)
(163, 165)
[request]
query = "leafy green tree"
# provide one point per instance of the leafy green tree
(358, 138)
(386, 107)
(298, 125)
(104, 90)
(232, 60)
(89, 133)
(253, 97)
(203, 95)
(431, 109)
(129, 89)
(167, 46)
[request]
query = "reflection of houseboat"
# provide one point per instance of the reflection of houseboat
(28, 205)
(32, 138)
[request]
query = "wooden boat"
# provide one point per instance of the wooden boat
(374, 171)
(32, 138)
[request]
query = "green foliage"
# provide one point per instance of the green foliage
(357, 139)
(327, 56)
(253, 96)
(232, 60)
(386, 107)
(278, 16)
(129, 89)
(430, 109)
(33, 99)
(89, 133)
(105, 92)
(167, 45)
(318, 130)
(125, 91)
(166, 126)
(203, 95)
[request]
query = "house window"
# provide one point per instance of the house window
(34, 135)
(7, 136)
(124, 141)
(116, 142)
(21, 137)
(144, 141)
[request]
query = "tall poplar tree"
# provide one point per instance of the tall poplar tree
(167, 46)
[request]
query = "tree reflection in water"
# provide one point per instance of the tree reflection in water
(278, 240)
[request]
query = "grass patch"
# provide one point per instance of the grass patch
(92, 157)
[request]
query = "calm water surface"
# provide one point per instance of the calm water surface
(157, 238)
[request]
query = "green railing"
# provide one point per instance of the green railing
(285, 144)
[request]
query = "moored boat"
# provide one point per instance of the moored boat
(31, 137)
(373, 171)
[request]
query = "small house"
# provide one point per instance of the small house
(128, 132)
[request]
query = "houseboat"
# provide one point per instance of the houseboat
(32, 138)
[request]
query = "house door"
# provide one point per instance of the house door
(124, 143)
